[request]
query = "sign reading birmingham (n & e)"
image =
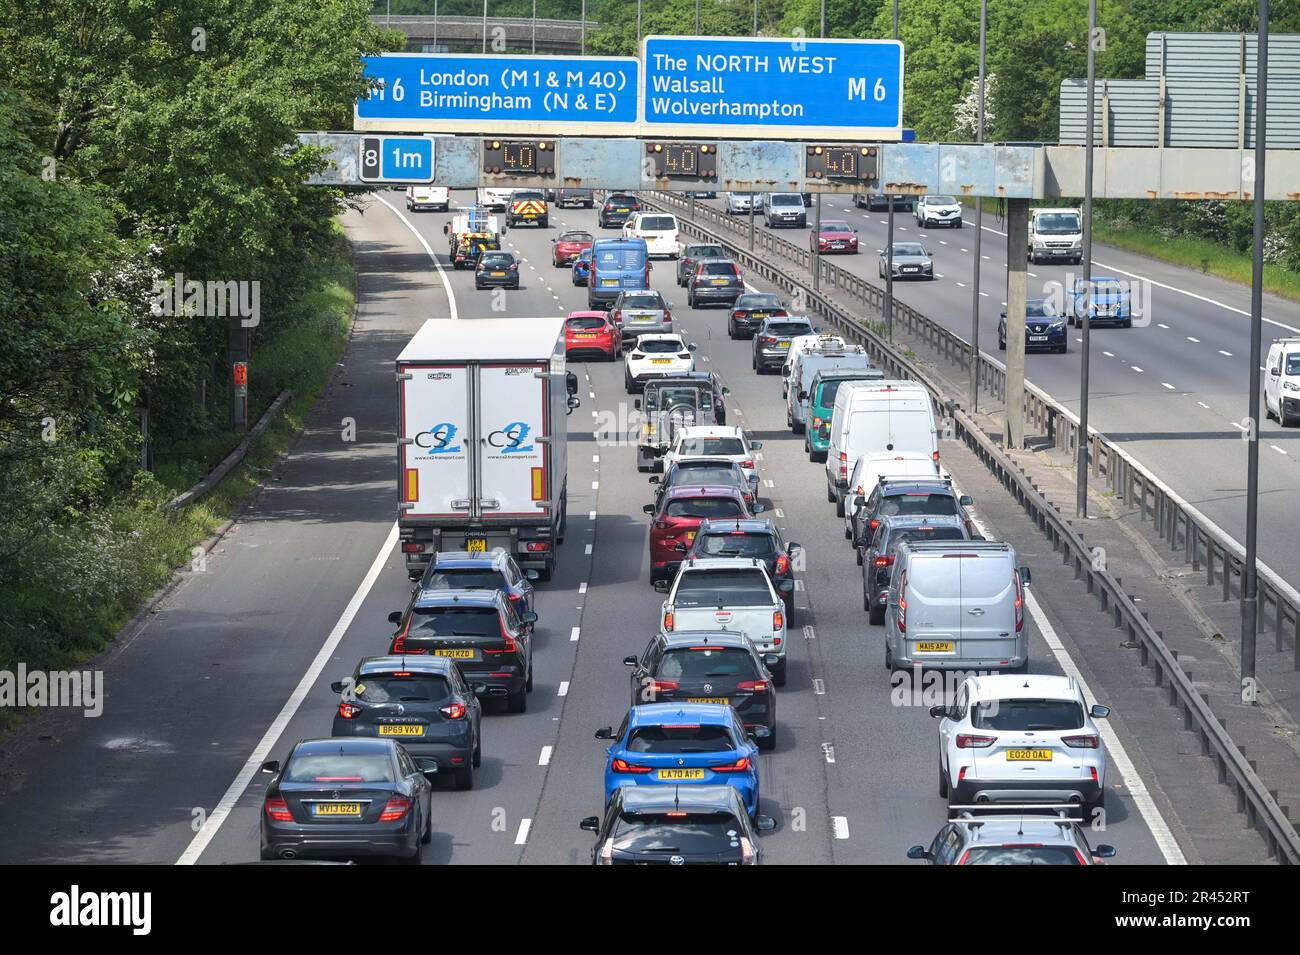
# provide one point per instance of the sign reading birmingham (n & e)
(453, 93)
(741, 86)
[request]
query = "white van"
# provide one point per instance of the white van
(428, 197)
(660, 230)
(871, 417)
(801, 344)
(498, 200)
(1282, 381)
(956, 605)
(1056, 234)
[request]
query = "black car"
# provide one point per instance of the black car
(876, 554)
(496, 570)
(344, 798)
(480, 630)
(920, 497)
(676, 825)
(565, 198)
(691, 256)
(772, 340)
(422, 702)
(873, 201)
(714, 280)
(749, 538)
(704, 472)
(750, 309)
(617, 209)
(708, 666)
(499, 269)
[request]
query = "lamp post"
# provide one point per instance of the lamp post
(889, 243)
(1081, 463)
(979, 227)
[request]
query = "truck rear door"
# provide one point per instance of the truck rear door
(435, 426)
(514, 464)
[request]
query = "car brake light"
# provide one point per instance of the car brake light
(623, 766)
(453, 711)
(659, 686)
(668, 621)
(844, 466)
(278, 810)
(1081, 742)
(971, 741)
(964, 856)
(676, 815)
(739, 766)
(1020, 604)
(783, 564)
(412, 548)
(507, 636)
(747, 464)
(767, 340)
(778, 620)
(399, 645)
(398, 806)
(349, 711)
(875, 522)
(884, 561)
(902, 604)
(1093, 770)
(961, 774)
(753, 686)
(538, 547)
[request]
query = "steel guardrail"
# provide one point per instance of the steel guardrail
(1253, 798)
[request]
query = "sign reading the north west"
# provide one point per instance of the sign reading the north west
(495, 94)
(773, 88)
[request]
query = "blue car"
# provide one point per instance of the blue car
(682, 743)
(1111, 302)
(1044, 329)
(581, 270)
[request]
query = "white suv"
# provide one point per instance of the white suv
(1021, 739)
(937, 210)
(660, 230)
(716, 441)
(654, 356)
(729, 593)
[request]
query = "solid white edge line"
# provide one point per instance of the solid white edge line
(272, 735)
(544, 758)
(446, 285)
(840, 826)
(522, 836)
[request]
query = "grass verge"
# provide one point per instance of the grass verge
(84, 582)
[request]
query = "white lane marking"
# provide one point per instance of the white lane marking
(591, 515)
(1277, 449)
(809, 633)
(521, 836)
(595, 458)
(574, 634)
(1033, 275)
(1195, 340)
(272, 735)
(1227, 353)
(778, 512)
(595, 485)
(828, 750)
(588, 548)
(1167, 385)
(984, 294)
(819, 687)
(1108, 354)
(943, 241)
(544, 758)
(840, 826)
(1238, 425)
(1203, 405)
(446, 285)
(1136, 368)
(966, 250)
(582, 587)
(768, 482)
(564, 688)
(1162, 324)
(961, 284)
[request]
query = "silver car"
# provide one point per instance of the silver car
(1013, 839)
(738, 202)
(911, 261)
(641, 312)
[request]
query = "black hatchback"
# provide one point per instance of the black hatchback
(924, 497)
(708, 666)
(480, 631)
(493, 570)
(749, 538)
(422, 702)
(496, 269)
(773, 337)
(750, 310)
(617, 209)
(676, 825)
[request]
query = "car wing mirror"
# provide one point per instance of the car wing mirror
(764, 823)
(590, 824)
(756, 445)
(917, 852)
(1025, 575)
(1104, 851)
(1099, 712)
(966, 501)
(662, 586)
(532, 575)
(572, 404)
(786, 587)
(939, 711)
(636, 403)
(648, 509)
(427, 765)
(528, 616)
(791, 547)
(605, 732)
(337, 686)
(271, 767)
(630, 661)
(395, 617)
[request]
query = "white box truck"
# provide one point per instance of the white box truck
(482, 439)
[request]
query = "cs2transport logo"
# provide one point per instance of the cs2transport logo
(439, 439)
(510, 438)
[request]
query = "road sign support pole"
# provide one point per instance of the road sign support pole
(1081, 463)
(816, 260)
(979, 226)
(751, 226)
(1017, 293)
(238, 348)
(1249, 570)
(889, 241)
(485, 3)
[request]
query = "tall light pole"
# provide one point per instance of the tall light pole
(1081, 464)
(979, 226)
(1249, 573)
(435, 25)
(697, 17)
(485, 3)
(584, 28)
(638, 27)
(889, 243)
(823, 29)
(534, 27)
(755, 17)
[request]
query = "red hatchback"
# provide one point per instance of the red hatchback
(837, 236)
(588, 334)
(677, 516)
(566, 247)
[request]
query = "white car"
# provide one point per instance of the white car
(729, 593)
(660, 230)
(716, 441)
(800, 345)
(498, 200)
(655, 356)
(937, 210)
(428, 197)
(1021, 739)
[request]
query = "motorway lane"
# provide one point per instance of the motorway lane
(1173, 393)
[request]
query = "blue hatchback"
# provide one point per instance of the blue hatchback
(682, 743)
(1109, 304)
(581, 270)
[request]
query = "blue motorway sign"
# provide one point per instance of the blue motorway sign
(395, 159)
(795, 88)
(497, 94)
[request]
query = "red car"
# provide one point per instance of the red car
(837, 236)
(592, 334)
(676, 517)
(567, 246)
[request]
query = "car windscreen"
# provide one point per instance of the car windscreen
(1043, 309)
(788, 328)
(705, 251)
(758, 300)
(940, 201)
(713, 474)
(625, 258)
(735, 544)
(496, 261)
(1040, 715)
(836, 225)
(718, 268)
(469, 578)
(338, 767)
(1107, 289)
(909, 248)
(723, 588)
(675, 397)
(940, 533)
(787, 199)
(680, 739)
(1022, 855)
(577, 237)
(1293, 364)
(704, 507)
(1057, 223)
(647, 300)
(697, 833)
(918, 502)
(699, 664)
(707, 446)
(454, 621)
(412, 688)
(659, 346)
(522, 196)
(587, 324)
(620, 199)
(658, 224)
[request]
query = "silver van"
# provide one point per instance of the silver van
(957, 605)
